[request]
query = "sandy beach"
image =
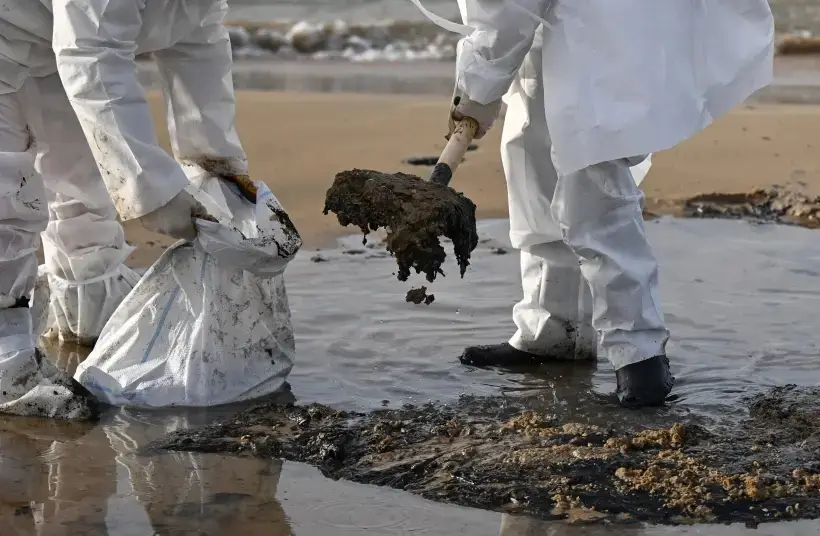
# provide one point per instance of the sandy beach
(297, 142)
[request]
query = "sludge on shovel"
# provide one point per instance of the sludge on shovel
(414, 212)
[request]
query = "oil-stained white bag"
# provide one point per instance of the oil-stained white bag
(209, 323)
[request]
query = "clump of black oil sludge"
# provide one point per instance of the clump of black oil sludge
(419, 296)
(415, 214)
(493, 453)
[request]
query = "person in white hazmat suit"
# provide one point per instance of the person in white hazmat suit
(592, 88)
(91, 139)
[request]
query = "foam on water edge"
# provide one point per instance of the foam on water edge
(379, 41)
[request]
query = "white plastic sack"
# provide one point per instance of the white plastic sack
(209, 323)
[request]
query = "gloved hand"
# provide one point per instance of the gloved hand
(484, 114)
(176, 218)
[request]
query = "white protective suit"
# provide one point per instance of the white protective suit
(588, 86)
(95, 42)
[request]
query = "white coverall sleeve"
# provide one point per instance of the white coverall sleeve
(489, 58)
(200, 99)
(95, 44)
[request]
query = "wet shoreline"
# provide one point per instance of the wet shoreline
(796, 78)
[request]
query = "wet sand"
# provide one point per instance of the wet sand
(296, 143)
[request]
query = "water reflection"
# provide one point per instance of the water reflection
(524, 526)
(96, 485)
(62, 478)
(584, 392)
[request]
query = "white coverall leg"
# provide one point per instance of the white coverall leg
(577, 233)
(84, 244)
(554, 317)
(29, 383)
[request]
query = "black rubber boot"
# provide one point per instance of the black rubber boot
(646, 383)
(499, 355)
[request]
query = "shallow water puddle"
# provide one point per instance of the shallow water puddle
(740, 300)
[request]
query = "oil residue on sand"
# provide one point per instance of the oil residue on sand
(775, 204)
(467, 454)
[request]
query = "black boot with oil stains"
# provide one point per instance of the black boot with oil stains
(415, 214)
(494, 454)
(645, 383)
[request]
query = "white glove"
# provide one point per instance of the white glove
(7, 302)
(176, 218)
(483, 114)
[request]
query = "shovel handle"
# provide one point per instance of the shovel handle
(454, 151)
